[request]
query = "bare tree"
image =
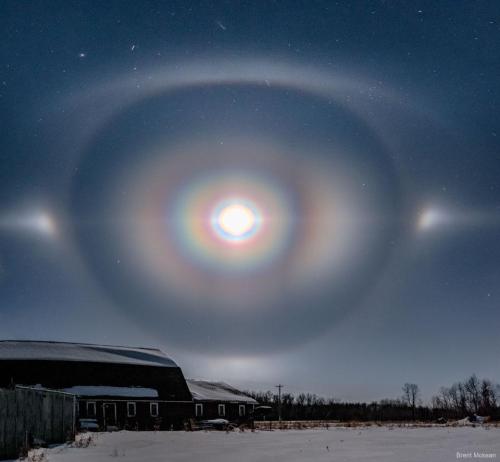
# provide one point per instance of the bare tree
(444, 400)
(301, 399)
(462, 397)
(411, 393)
(473, 392)
(454, 394)
(488, 398)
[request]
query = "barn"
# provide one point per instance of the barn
(220, 400)
(121, 387)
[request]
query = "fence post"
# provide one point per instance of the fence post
(74, 417)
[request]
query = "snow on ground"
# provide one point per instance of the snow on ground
(374, 444)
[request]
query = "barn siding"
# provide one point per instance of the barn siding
(211, 410)
(172, 415)
(26, 414)
(168, 381)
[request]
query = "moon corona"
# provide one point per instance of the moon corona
(230, 214)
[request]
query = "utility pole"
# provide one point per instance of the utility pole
(279, 387)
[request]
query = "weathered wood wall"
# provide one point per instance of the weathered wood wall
(28, 415)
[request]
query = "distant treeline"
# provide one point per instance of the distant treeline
(472, 396)
(462, 399)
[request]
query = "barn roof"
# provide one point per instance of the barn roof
(202, 390)
(62, 351)
(123, 392)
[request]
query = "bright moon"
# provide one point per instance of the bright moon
(235, 221)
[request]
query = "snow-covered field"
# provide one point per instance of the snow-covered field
(375, 444)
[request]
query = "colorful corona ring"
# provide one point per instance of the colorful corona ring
(214, 211)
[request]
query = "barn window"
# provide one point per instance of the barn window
(198, 410)
(153, 409)
(131, 409)
(242, 410)
(91, 409)
(222, 410)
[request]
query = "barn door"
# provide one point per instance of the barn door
(109, 412)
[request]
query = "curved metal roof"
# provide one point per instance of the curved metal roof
(202, 390)
(28, 350)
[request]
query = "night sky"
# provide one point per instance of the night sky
(305, 192)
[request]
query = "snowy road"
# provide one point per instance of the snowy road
(375, 444)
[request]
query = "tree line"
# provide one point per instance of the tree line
(472, 396)
(460, 400)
